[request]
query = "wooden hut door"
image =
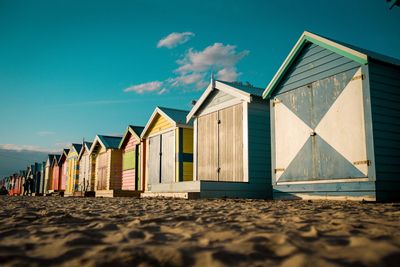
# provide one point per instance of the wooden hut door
(102, 171)
(220, 145)
(167, 157)
(230, 140)
(207, 147)
(154, 162)
(320, 131)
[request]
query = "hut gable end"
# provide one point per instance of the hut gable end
(314, 63)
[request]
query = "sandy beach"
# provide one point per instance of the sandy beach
(55, 231)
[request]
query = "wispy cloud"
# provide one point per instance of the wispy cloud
(217, 56)
(45, 133)
(194, 67)
(145, 87)
(174, 39)
(19, 147)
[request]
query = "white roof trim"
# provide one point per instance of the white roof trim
(155, 112)
(222, 87)
(96, 140)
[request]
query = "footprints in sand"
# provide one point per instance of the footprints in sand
(159, 232)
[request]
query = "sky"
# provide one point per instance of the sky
(73, 69)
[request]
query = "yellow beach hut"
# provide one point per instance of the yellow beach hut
(72, 170)
(168, 152)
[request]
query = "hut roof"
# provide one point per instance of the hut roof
(110, 141)
(77, 147)
(134, 130)
(352, 52)
(242, 91)
(176, 116)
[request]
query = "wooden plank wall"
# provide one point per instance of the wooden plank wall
(215, 98)
(115, 169)
(207, 147)
(187, 154)
(129, 175)
(159, 124)
(314, 63)
(56, 177)
(230, 136)
(385, 107)
(259, 146)
(84, 171)
(72, 171)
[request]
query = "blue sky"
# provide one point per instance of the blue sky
(72, 69)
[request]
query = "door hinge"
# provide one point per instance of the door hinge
(362, 162)
(358, 77)
(276, 102)
(279, 170)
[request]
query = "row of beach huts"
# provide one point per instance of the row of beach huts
(326, 127)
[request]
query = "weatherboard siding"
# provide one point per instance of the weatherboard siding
(318, 65)
(129, 175)
(159, 124)
(385, 107)
(313, 64)
(84, 171)
(215, 98)
(115, 169)
(259, 146)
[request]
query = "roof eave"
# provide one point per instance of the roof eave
(318, 40)
(222, 87)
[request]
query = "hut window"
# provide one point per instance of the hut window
(128, 161)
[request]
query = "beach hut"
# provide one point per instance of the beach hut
(63, 169)
(131, 146)
(72, 178)
(48, 174)
(108, 166)
(37, 177)
(231, 142)
(334, 120)
(168, 152)
(42, 177)
(56, 176)
(86, 170)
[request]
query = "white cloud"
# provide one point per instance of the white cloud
(174, 39)
(45, 133)
(18, 147)
(216, 57)
(228, 74)
(187, 79)
(195, 67)
(145, 87)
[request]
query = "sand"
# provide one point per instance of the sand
(55, 231)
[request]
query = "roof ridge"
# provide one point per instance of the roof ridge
(173, 109)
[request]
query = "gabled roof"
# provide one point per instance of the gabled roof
(63, 155)
(352, 52)
(50, 157)
(77, 147)
(134, 130)
(176, 116)
(56, 158)
(106, 141)
(86, 146)
(239, 90)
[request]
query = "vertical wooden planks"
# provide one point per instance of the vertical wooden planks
(167, 157)
(154, 160)
(231, 143)
(207, 149)
(102, 166)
